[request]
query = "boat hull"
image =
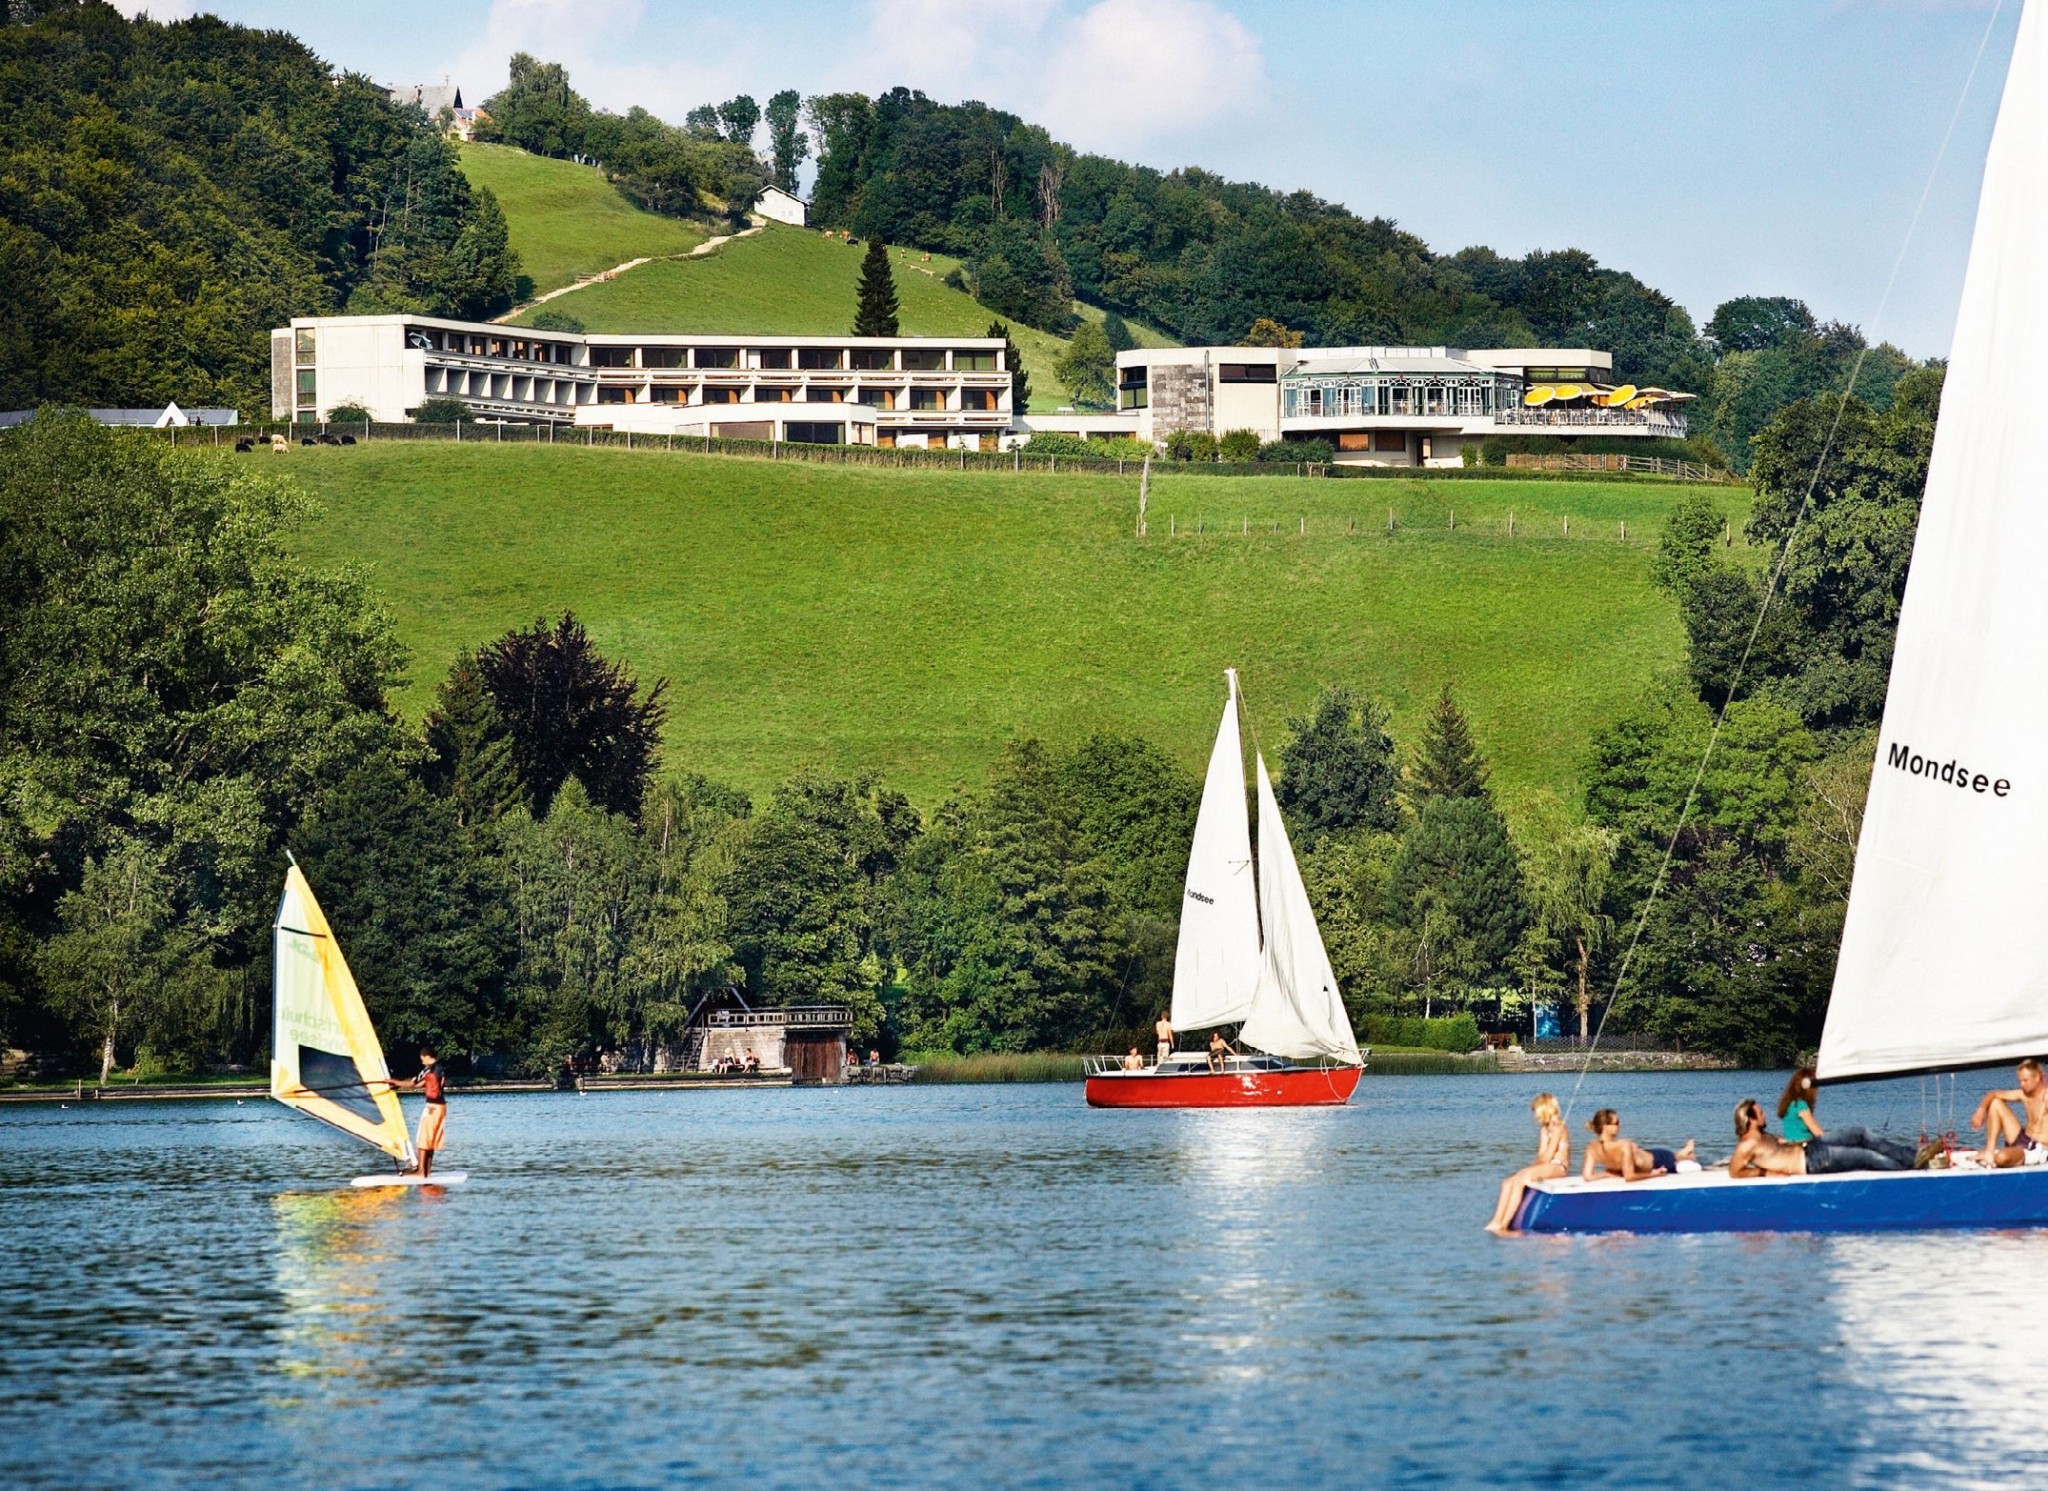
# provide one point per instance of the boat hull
(1862, 1201)
(1295, 1087)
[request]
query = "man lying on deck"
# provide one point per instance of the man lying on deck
(1760, 1152)
(2007, 1141)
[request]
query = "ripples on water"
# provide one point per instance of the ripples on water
(967, 1286)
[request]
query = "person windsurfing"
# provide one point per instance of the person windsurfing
(431, 1084)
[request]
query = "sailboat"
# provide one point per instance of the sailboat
(1279, 986)
(325, 1061)
(1944, 959)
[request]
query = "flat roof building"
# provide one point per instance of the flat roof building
(933, 392)
(1389, 406)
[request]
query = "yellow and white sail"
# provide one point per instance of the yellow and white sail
(325, 1060)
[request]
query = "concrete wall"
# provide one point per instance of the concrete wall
(369, 364)
(1246, 406)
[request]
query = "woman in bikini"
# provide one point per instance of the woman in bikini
(1553, 1162)
(1624, 1158)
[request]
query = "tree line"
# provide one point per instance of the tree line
(517, 879)
(170, 193)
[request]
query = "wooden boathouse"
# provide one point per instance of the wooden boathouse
(808, 1041)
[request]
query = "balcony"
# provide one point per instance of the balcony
(1635, 421)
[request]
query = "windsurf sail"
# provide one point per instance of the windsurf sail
(325, 1060)
(1216, 964)
(1296, 1009)
(1944, 959)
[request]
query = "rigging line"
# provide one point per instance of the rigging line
(1778, 566)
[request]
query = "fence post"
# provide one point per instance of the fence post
(1567, 525)
(1016, 458)
(1624, 530)
(501, 432)
(1390, 520)
(1454, 519)
(458, 431)
(1304, 525)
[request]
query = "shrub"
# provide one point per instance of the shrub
(554, 320)
(1191, 445)
(1116, 448)
(350, 413)
(1321, 452)
(441, 412)
(1239, 445)
(1442, 1033)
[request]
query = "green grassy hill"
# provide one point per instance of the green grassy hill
(912, 622)
(801, 283)
(566, 220)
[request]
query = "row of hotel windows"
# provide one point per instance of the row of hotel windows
(562, 354)
(1388, 397)
(985, 400)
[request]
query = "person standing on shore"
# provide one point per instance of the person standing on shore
(1162, 1031)
(431, 1084)
(1553, 1162)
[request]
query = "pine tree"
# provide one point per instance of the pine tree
(469, 749)
(1448, 764)
(875, 313)
(1020, 381)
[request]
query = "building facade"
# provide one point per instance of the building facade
(1389, 406)
(779, 206)
(931, 392)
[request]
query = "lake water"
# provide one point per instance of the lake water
(968, 1286)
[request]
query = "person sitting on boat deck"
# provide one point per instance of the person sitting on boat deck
(432, 1084)
(1553, 1162)
(1624, 1157)
(1760, 1152)
(1795, 1108)
(1162, 1031)
(1220, 1051)
(2009, 1139)
(1133, 1062)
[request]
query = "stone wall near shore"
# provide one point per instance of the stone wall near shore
(1611, 1061)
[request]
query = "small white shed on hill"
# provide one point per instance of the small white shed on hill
(779, 206)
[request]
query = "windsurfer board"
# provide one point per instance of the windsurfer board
(452, 1178)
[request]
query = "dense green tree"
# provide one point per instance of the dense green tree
(1448, 763)
(1118, 331)
(1750, 323)
(537, 110)
(1458, 884)
(702, 123)
(573, 712)
(787, 145)
(442, 410)
(1088, 368)
(740, 116)
(469, 749)
(1338, 769)
(117, 946)
(1020, 376)
(874, 312)
(1568, 892)
(1688, 546)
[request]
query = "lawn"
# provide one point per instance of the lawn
(910, 623)
(797, 282)
(566, 220)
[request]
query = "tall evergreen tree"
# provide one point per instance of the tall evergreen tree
(1458, 880)
(874, 313)
(1448, 763)
(1020, 380)
(469, 758)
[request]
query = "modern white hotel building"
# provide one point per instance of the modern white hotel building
(932, 392)
(1386, 406)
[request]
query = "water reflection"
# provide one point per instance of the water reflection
(334, 1249)
(1931, 1329)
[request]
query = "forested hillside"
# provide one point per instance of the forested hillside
(168, 194)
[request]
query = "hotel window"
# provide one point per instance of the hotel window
(498, 346)
(774, 395)
(306, 385)
(923, 360)
(304, 339)
(721, 395)
(1354, 440)
(872, 359)
(665, 393)
(974, 362)
(611, 357)
(613, 394)
(927, 398)
(1132, 392)
(1247, 372)
(875, 398)
(818, 358)
(661, 357)
(717, 357)
(1390, 440)
(798, 432)
(519, 349)
(816, 395)
(772, 357)
(978, 398)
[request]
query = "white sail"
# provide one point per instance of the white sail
(1296, 1010)
(1216, 964)
(1945, 955)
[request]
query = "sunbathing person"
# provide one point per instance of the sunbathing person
(1760, 1152)
(1553, 1162)
(1625, 1158)
(2007, 1140)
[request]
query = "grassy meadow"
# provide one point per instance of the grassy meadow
(797, 282)
(566, 220)
(911, 622)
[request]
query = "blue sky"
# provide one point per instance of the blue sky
(1714, 149)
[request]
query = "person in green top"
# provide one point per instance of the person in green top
(1795, 1107)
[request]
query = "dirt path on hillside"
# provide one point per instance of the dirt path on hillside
(618, 269)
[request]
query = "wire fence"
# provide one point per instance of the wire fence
(250, 437)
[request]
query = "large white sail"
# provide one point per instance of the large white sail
(1296, 1010)
(1216, 965)
(1945, 955)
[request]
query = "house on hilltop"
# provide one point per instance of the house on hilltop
(779, 206)
(437, 98)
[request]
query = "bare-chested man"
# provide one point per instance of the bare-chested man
(2009, 1141)
(1760, 1152)
(1162, 1031)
